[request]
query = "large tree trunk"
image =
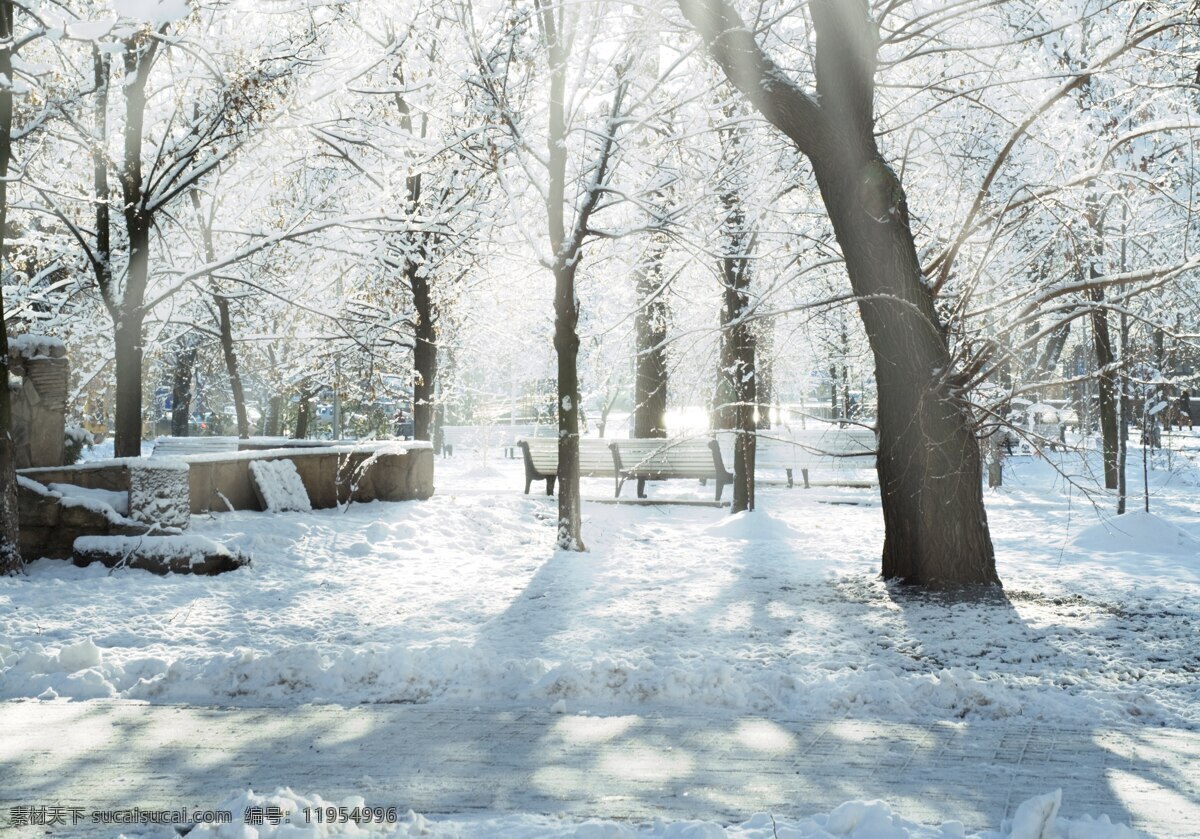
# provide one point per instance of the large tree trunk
(566, 345)
(10, 543)
(181, 390)
(935, 525)
(930, 469)
(650, 328)
(127, 420)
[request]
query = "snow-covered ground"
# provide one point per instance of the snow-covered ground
(463, 598)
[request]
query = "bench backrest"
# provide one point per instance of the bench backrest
(595, 457)
(683, 458)
(827, 448)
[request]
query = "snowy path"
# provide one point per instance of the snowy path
(440, 759)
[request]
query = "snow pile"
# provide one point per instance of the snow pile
(752, 526)
(279, 487)
(1137, 532)
(288, 819)
(189, 546)
(97, 500)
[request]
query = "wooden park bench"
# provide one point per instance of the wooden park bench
(541, 460)
(659, 459)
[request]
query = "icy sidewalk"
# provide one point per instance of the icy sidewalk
(106, 755)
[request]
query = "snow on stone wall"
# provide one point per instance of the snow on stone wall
(159, 493)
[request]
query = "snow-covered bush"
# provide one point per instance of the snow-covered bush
(73, 445)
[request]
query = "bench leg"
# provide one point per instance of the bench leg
(704, 482)
(720, 487)
(804, 472)
(528, 482)
(620, 483)
(789, 476)
(550, 484)
(641, 487)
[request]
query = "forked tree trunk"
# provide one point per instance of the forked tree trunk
(138, 57)
(930, 469)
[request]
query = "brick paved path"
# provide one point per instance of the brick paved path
(440, 760)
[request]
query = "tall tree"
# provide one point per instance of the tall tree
(935, 526)
(10, 551)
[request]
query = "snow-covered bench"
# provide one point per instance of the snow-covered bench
(658, 460)
(541, 460)
(843, 455)
(183, 446)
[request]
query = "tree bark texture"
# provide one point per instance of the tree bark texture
(183, 373)
(929, 464)
(650, 327)
(10, 543)
(425, 355)
(138, 57)
(1106, 373)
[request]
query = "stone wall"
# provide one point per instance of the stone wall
(216, 482)
(49, 528)
(39, 405)
(331, 475)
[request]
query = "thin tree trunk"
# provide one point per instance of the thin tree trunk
(929, 463)
(181, 390)
(10, 536)
(303, 414)
(224, 324)
(425, 356)
(1105, 357)
(764, 363)
(274, 408)
(650, 329)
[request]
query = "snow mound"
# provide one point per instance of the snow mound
(752, 526)
(279, 486)
(289, 814)
(1137, 532)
